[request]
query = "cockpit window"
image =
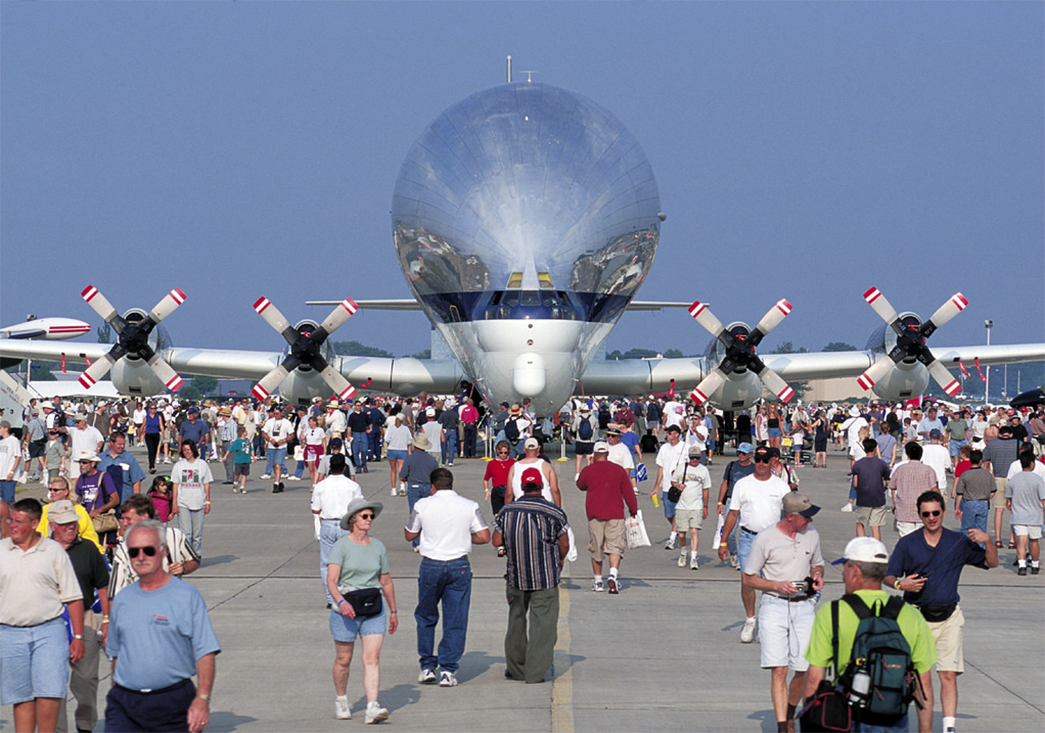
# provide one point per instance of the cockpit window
(530, 298)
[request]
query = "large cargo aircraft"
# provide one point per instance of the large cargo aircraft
(525, 219)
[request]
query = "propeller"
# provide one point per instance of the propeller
(910, 340)
(132, 337)
(305, 348)
(740, 351)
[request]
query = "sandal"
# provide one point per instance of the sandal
(997, 543)
(1012, 545)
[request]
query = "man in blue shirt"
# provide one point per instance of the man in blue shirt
(195, 430)
(117, 455)
(159, 636)
(930, 563)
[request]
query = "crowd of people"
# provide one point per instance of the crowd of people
(117, 535)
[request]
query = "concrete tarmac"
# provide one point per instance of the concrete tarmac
(663, 654)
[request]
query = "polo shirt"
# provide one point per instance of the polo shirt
(976, 484)
(912, 625)
(759, 503)
(871, 473)
(909, 481)
(607, 489)
(942, 564)
(132, 471)
(446, 521)
(1025, 491)
(1001, 452)
(34, 584)
(159, 635)
(776, 557)
(193, 431)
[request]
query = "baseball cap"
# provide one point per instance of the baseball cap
(674, 428)
(601, 447)
(532, 476)
(62, 512)
(531, 443)
(763, 452)
(745, 448)
(694, 451)
(935, 433)
(796, 503)
(864, 549)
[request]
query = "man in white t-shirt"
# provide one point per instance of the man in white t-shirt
(330, 500)
(756, 504)
(448, 525)
(276, 433)
(670, 456)
(83, 438)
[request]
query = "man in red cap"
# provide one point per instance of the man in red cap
(608, 490)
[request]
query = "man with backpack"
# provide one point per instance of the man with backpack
(864, 625)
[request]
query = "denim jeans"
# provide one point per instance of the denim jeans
(974, 515)
(744, 541)
(449, 447)
(414, 494)
(450, 583)
(329, 533)
(374, 445)
(190, 522)
(359, 447)
(470, 435)
(299, 469)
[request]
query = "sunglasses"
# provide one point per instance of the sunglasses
(149, 550)
(763, 459)
(503, 452)
(366, 516)
(60, 488)
(934, 513)
(85, 462)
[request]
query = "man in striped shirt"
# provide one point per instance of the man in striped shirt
(535, 534)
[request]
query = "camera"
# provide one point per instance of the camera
(805, 586)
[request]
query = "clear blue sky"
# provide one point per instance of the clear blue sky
(802, 150)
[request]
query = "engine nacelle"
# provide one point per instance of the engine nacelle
(301, 385)
(907, 379)
(738, 392)
(132, 376)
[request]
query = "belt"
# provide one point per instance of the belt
(749, 531)
(789, 599)
(169, 688)
(330, 519)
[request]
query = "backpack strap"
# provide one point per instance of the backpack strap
(834, 640)
(892, 608)
(857, 604)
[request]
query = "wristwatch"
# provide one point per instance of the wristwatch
(78, 636)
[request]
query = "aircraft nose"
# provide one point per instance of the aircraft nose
(529, 375)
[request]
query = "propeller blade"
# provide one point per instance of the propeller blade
(103, 307)
(881, 305)
(165, 372)
(770, 321)
(97, 370)
(944, 313)
(274, 318)
(344, 310)
(776, 384)
(706, 318)
(708, 386)
(269, 382)
(167, 305)
(944, 378)
(875, 372)
(341, 386)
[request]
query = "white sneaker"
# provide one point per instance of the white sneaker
(426, 677)
(597, 586)
(670, 544)
(576, 476)
(375, 713)
(447, 679)
(694, 565)
(293, 478)
(847, 508)
(682, 559)
(748, 633)
(266, 475)
(395, 491)
(341, 709)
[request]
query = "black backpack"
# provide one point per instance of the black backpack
(880, 679)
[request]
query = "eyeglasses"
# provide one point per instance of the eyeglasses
(934, 513)
(85, 461)
(149, 551)
(60, 488)
(366, 516)
(503, 452)
(762, 459)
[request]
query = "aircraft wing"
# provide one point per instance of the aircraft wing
(391, 304)
(74, 351)
(654, 305)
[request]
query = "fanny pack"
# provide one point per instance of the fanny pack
(935, 614)
(365, 602)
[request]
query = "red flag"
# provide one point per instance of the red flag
(982, 378)
(87, 360)
(962, 367)
(63, 363)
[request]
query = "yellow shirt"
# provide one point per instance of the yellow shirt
(86, 526)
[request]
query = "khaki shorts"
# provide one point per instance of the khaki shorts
(606, 537)
(871, 516)
(1031, 531)
(948, 637)
(686, 519)
(999, 496)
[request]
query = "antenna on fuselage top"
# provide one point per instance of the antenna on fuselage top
(529, 76)
(509, 69)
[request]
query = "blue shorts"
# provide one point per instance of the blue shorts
(775, 433)
(7, 491)
(397, 455)
(744, 540)
(956, 447)
(36, 662)
(345, 629)
(669, 506)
